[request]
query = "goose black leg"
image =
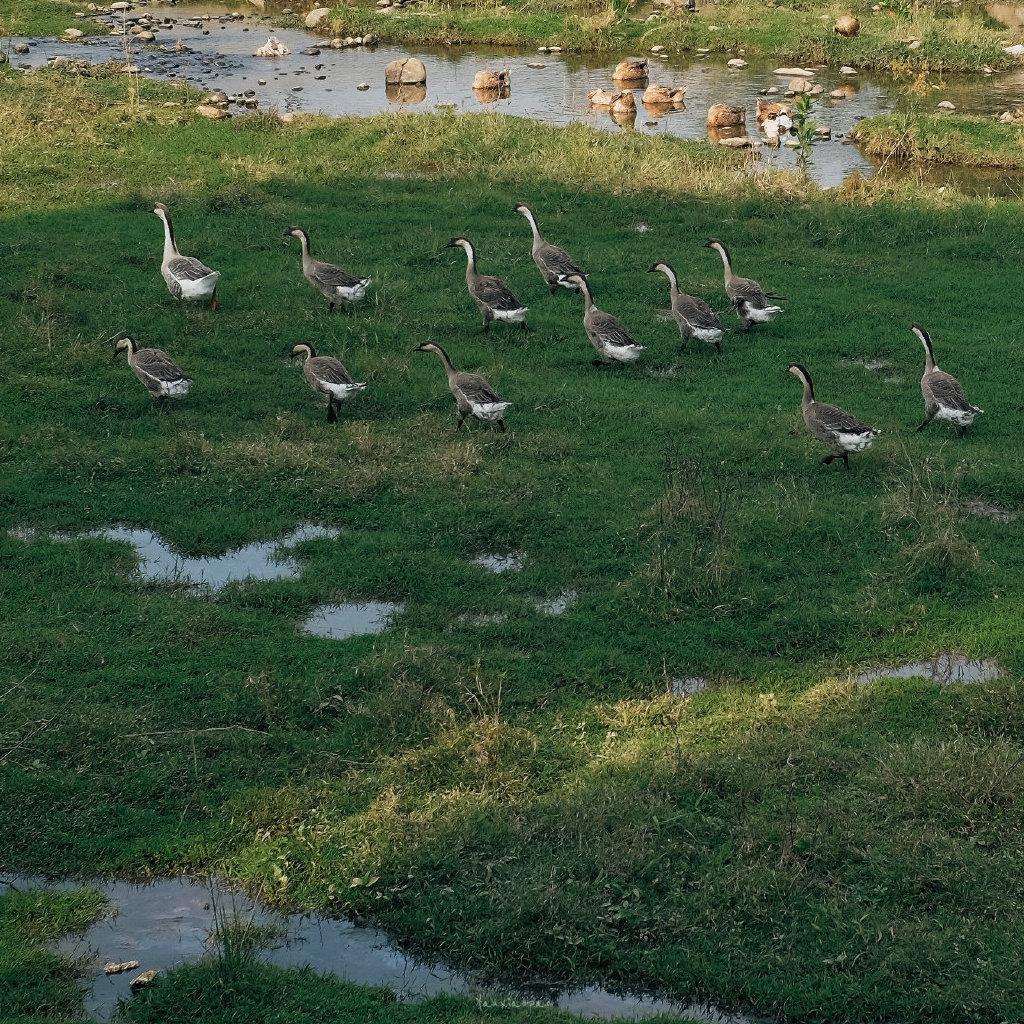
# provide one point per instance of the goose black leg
(462, 419)
(330, 308)
(846, 459)
(552, 288)
(718, 347)
(332, 413)
(487, 325)
(598, 362)
(501, 426)
(927, 420)
(827, 461)
(214, 304)
(525, 327)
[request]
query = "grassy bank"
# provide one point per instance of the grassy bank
(43, 18)
(35, 984)
(944, 139)
(517, 792)
(796, 32)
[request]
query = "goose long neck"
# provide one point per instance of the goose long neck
(304, 243)
(929, 354)
(673, 284)
(170, 249)
(538, 238)
(808, 396)
(726, 260)
(470, 264)
(449, 367)
(588, 299)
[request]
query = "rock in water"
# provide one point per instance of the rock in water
(409, 71)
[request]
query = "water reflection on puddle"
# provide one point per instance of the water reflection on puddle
(944, 668)
(169, 923)
(340, 621)
(158, 562)
(219, 55)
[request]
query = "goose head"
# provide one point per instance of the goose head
(160, 209)
(303, 349)
(459, 243)
(801, 374)
(295, 232)
(125, 344)
(523, 209)
(661, 268)
(427, 346)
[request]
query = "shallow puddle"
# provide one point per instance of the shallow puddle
(169, 923)
(353, 618)
(947, 667)
(158, 562)
(686, 687)
(513, 561)
(218, 54)
(556, 605)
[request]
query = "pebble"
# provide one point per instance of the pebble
(737, 62)
(115, 968)
(144, 980)
(847, 70)
(363, 86)
(946, 105)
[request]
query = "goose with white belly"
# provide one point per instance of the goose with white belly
(695, 318)
(326, 375)
(553, 262)
(337, 286)
(473, 395)
(159, 374)
(747, 296)
(831, 425)
(944, 396)
(609, 336)
(493, 297)
(187, 278)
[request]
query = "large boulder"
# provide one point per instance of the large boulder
(847, 25)
(317, 17)
(408, 71)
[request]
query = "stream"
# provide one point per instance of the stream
(214, 50)
(167, 923)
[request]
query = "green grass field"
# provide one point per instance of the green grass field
(521, 797)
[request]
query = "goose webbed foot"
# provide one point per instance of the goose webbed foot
(598, 362)
(828, 460)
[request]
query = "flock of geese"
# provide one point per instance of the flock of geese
(189, 279)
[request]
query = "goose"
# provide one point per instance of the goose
(473, 395)
(696, 319)
(664, 96)
(336, 285)
(747, 296)
(327, 376)
(491, 294)
(830, 424)
(160, 375)
(187, 278)
(607, 333)
(555, 264)
(944, 396)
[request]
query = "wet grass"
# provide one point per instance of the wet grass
(36, 984)
(520, 796)
(908, 38)
(944, 139)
